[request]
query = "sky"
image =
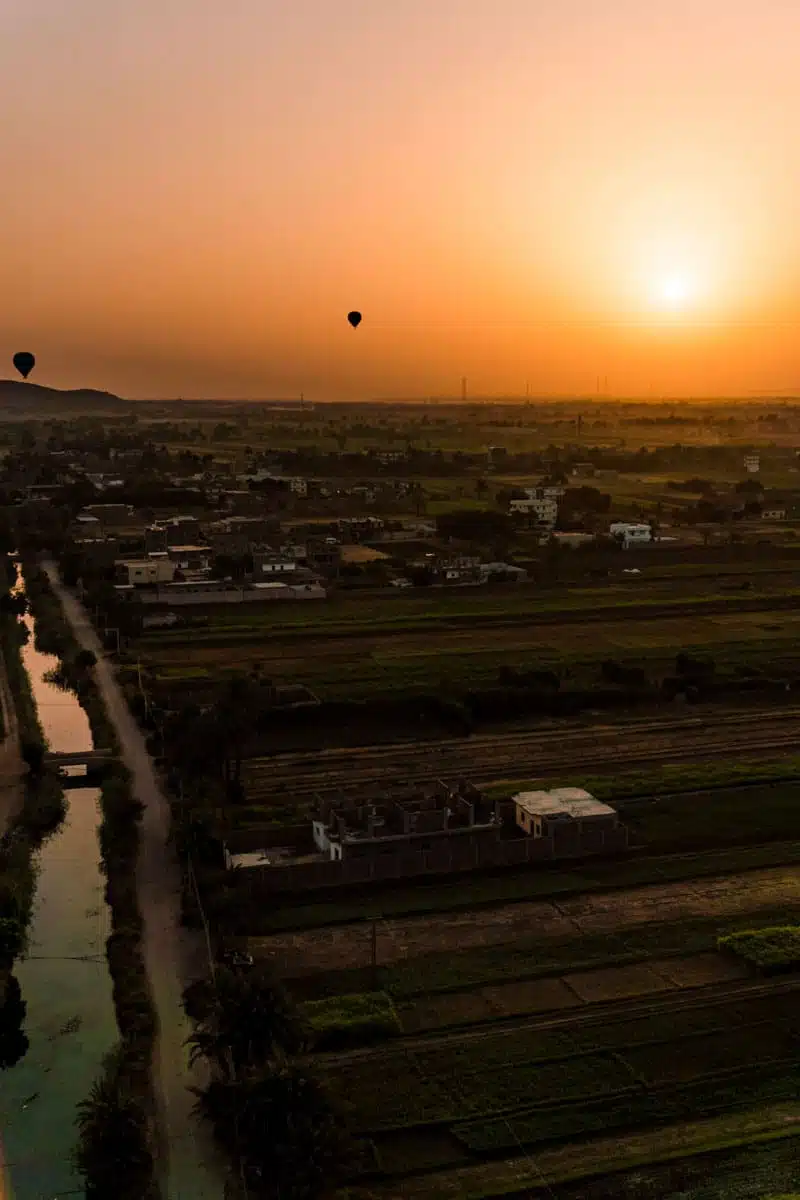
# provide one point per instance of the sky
(531, 194)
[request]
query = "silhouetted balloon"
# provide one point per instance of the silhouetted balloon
(24, 362)
(355, 319)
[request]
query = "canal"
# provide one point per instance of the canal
(65, 983)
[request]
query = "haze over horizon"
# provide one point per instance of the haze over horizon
(513, 192)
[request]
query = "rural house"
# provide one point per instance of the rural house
(537, 812)
(630, 534)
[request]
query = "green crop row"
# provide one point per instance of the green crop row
(704, 1097)
(506, 1071)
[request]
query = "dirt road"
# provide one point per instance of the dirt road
(190, 1167)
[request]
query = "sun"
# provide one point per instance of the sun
(673, 291)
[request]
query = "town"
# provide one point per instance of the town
(514, 756)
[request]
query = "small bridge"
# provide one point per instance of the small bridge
(78, 758)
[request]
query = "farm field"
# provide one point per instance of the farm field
(422, 607)
(398, 939)
(768, 1130)
(763, 1170)
(355, 645)
(507, 760)
(493, 1094)
(371, 660)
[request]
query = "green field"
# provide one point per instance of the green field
(507, 1091)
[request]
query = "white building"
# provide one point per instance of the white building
(537, 812)
(630, 534)
(269, 565)
(157, 569)
(545, 508)
(752, 463)
(548, 492)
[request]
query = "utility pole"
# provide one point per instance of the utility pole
(374, 954)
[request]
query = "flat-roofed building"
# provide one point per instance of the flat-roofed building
(538, 812)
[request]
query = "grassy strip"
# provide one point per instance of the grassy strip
(668, 779)
(352, 1020)
(122, 1098)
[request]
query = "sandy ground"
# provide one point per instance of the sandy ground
(191, 1169)
(337, 947)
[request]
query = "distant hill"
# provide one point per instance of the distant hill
(31, 397)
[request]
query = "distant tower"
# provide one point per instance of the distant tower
(578, 425)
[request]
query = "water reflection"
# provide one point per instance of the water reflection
(64, 981)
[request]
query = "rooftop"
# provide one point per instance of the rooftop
(572, 802)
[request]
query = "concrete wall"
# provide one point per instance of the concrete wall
(451, 856)
(233, 596)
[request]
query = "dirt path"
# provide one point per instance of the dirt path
(173, 956)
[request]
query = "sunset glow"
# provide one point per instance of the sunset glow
(199, 193)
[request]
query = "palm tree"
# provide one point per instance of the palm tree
(242, 1020)
(282, 1128)
(234, 722)
(113, 1154)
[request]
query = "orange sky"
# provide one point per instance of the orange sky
(195, 192)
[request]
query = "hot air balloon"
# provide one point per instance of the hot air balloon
(24, 362)
(355, 319)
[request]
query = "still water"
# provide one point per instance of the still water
(64, 979)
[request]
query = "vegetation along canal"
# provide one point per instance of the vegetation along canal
(64, 978)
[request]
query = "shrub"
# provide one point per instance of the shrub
(13, 1040)
(771, 951)
(353, 1020)
(693, 668)
(12, 934)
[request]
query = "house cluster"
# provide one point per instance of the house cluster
(176, 564)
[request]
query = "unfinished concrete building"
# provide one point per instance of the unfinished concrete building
(414, 819)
